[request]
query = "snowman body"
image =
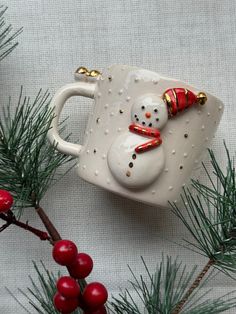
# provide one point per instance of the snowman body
(134, 158)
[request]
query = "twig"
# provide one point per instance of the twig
(11, 220)
(191, 289)
(54, 234)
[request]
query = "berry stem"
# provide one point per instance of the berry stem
(11, 220)
(54, 234)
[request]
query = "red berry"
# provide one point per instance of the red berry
(101, 310)
(82, 267)
(64, 305)
(68, 287)
(64, 252)
(95, 295)
(6, 201)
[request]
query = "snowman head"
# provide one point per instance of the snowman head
(149, 110)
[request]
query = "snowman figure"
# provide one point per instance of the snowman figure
(136, 158)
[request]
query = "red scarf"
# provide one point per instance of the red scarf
(146, 132)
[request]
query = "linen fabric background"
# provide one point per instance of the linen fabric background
(194, 41)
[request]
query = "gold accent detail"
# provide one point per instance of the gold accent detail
(93, 73)
(81, 70)
(201, 98)
(167, 99)
(128, 173)
(84, 71)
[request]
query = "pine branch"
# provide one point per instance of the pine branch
(163, 291)
(210, 215)
(28, 163)
(7, 35)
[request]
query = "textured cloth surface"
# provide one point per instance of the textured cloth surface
(191, 40)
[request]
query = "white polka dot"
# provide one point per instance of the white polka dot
(187, 121)
(155, 81)
(106, 131)
(84, 167)
(170, 188)
(208, 114)
(153, 192)
(173, 152)
(109, 91)
(99, 95)
(96, 173)
(170, 132)
(86, 132)
(108, 181)
(88, 151)
(128, 98)
(206, 139)
(166, 170)
(119, 129)
(112, 114)
(220, 108)
(203, 127)
(104, 156)
(121, 91)
(196, 161)
(106, 106)
(91, 130)
(193, 145)
(137, 79)
(185, 155)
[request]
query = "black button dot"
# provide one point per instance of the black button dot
(135, 116)
(180, 167)
(143, 123)
(143, 107)
(137, 119)
(150, 124)
(134, 156)
(94, 151)
(121, 111)
(131, 165)
(155, 110)
(185, 135)
(157, 119)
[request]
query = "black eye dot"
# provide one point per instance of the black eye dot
(131, 165)
(181, 167)
(137, 119)
(157, 119)
(155, 110)
(135, 116)
(143, 107)
(143, 123)
(134, 156)
(150, 124)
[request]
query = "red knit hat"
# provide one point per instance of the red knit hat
(179, 99)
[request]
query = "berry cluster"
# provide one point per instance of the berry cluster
(69, 296)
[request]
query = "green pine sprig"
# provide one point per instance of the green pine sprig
(163, 290)
(28, 163)
(40, 294)
(7, 35)
(210, 214)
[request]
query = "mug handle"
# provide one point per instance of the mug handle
(86, 89)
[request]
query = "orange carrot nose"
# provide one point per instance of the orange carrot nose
(148, 115)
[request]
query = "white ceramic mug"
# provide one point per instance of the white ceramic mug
(146, 133)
